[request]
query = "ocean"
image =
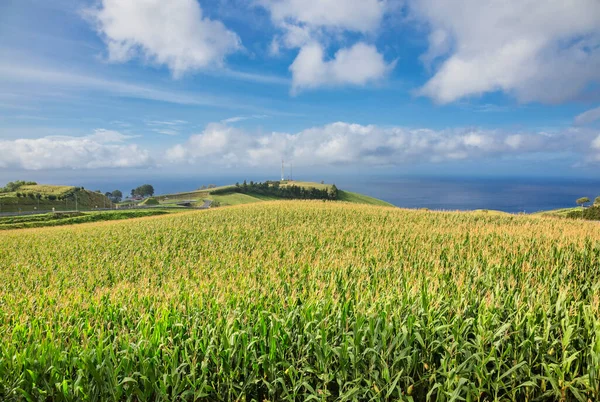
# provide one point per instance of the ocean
(503, 194)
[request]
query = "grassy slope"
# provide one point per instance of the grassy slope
(45, 189)
(306, 184)
(233, 199)
(560, 213)
(319, 299)
(238, 199)
(150, 201)
(85, 199)
(361, 199)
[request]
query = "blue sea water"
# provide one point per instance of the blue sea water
(504, 194)
(440, 193)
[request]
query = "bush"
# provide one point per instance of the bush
(590, 214)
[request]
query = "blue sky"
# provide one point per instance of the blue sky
(151, 87)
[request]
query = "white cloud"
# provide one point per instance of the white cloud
(236, 119)
(546, 51)
(351, 15)
(166, 131)
(102, 149)
(344, 143)
(311, 25)
(166, 122)
(34, 79)
(26, 74)
(357, 65)
(588, 116)
(174, 33)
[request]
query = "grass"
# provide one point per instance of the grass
(150, 201)
(559, 213)
(234, 199)
(86, 200)
(52, 219)
(361, 199)
(302, 300)
(306, 184)
(45, 189)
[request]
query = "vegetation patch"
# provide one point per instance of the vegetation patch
(591, 213)
(60, 219)
(275, 190)
(150, 201)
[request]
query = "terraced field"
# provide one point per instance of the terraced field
(302, 300)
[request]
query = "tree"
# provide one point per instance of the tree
(116, 196)
(597, 201)
(582, 201)
(333, 192)
(144, 190)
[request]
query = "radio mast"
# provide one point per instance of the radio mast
(282, 171)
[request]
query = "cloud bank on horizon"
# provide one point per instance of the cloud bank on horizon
(333, 68)
(340, 143)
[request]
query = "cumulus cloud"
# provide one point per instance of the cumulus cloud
(344, 143)
(351, 15)
(587, 117)
(357, 65)
(102, 149)
(174, 33)
(546, 51)
(310, 25)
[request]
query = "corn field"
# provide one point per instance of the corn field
(301, 301)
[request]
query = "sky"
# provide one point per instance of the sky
(149, 88)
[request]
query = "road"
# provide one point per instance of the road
(206, 204)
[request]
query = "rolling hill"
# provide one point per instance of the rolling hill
(224, 198)
(43, 197)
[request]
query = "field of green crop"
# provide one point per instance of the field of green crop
(299, 301)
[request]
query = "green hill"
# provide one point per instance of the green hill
(44, 197)
(357, 198)
(221, 197)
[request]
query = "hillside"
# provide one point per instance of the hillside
(224, 198)
(357, 198)
(303, 300)
(43, 197)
